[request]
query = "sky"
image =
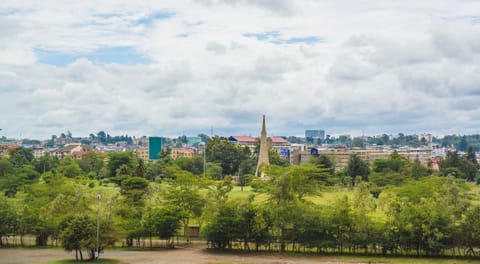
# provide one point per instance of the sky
(167, 68)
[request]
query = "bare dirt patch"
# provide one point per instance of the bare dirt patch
(191, 254)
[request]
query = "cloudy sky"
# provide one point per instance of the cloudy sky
(174, 67)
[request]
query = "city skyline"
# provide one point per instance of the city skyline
(181, 67)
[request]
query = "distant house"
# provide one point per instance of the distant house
(4, 147)
(73, 150)
(181, 153)
(39, 152)
(248, 141)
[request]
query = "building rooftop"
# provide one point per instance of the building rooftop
(249, 139)
(279, 140)
(243, 139)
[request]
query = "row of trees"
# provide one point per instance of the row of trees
(52, 199)
(430, 216)
(61, 209)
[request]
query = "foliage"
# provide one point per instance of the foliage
(117, 159)
(357, 167)
(7, 219)
(69, 168)
(184, 192)
(193, 165)
(93, 162)
(45, 163)
(464, 167)
(323, 161)
(79, 232)
(20, 156)
(167, 221)
(134, 189)
(224, 152)
(275, 159)
(412, 212)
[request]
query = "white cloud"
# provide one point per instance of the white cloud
(380, 67)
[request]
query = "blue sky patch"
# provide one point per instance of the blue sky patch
(103, 55)
(275, 37)
(148, 20)
(475, 19)
(471, 19)
(306, 40)
(107, 15)
(193, 23)
(184, 35)
(269, 35)
(7, 12)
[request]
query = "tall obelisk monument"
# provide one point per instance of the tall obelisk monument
(264, 147)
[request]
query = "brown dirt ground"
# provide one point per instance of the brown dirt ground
(191, 254)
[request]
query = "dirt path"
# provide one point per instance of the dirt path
(193, 254)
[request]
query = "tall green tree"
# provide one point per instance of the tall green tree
(92, 162)
(7, 219)
(357, 167)
(134, 189)
(323, 161)
(6, 167)
(45, 163)
(184, 193)
(20, 156)
(78, 232)
(117, 159)
(224, 152)
(167, 221)
(69, 168)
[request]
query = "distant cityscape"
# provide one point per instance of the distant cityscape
(297, 150)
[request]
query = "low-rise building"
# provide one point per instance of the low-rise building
(4, 147)
(73, 150)
(341, 155)
(181, 153)
(281, 145)
(142, 153)
(39, 152)
(250, 142)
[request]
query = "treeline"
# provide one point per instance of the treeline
(56, 200)
(393, 206)
(427, 217)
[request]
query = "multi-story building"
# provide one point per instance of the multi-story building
(194, 140)
(142, 153)
(155, 145)
(341, 156)
(315, 133)
(427, 137)
(422, 154)
(39, 152)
